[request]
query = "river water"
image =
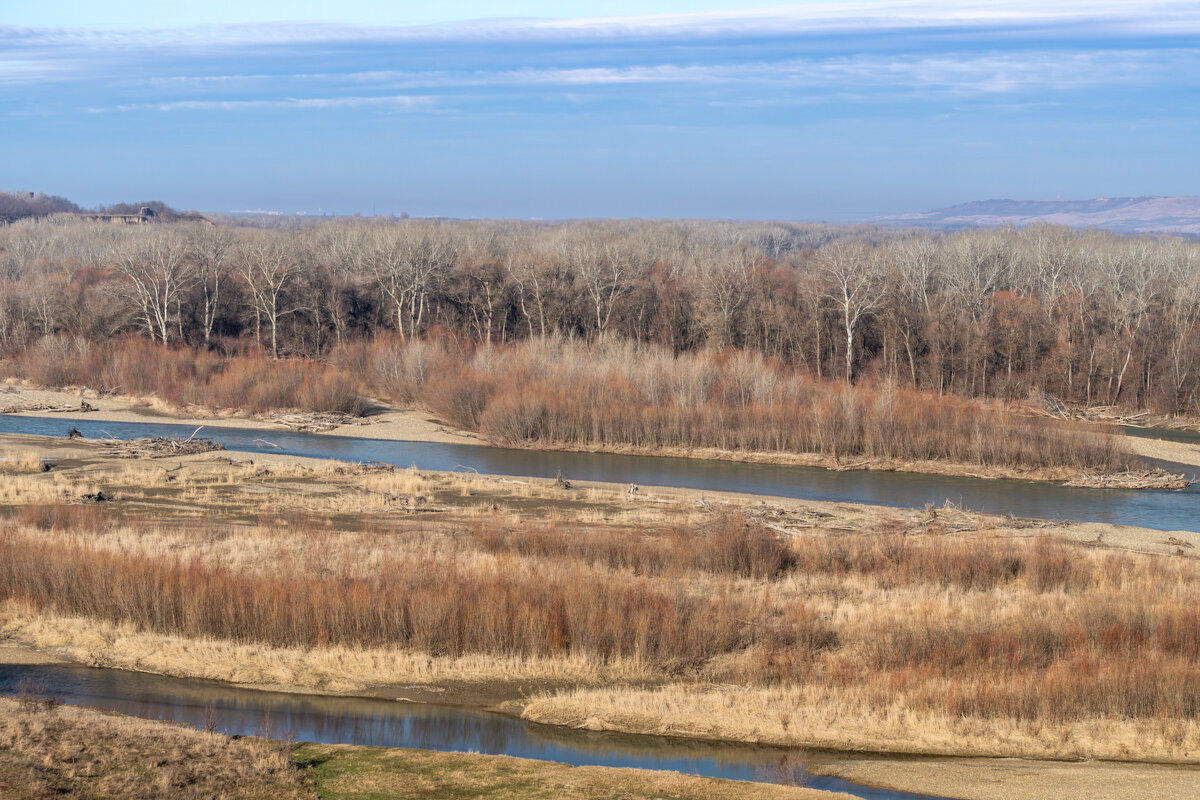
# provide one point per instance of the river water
(387, 723)
(1163, 510)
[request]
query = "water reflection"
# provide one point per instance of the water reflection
(383, 723)
(1164, 510)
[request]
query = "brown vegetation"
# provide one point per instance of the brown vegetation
(1044, 313)
(952, 634)
(253, 382)
(601, 396)
(563, 393)
(431, 605)
(75, 753)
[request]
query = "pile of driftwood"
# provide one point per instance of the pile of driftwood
(316, 421)
(1151, 479)
(160, 447)
(26, 408)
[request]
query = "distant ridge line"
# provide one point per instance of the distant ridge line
(1179, 215)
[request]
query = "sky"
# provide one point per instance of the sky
(819, 110)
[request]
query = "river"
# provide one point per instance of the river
(387, 723)
(1163, 510)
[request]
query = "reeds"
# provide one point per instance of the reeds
(249, 381)
(725, 545)
(437, 606)
(614, 393)
(611, 393)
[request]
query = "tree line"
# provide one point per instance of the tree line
(1088, 318)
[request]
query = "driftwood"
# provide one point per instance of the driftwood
(1152, 479)
(365, 468)
(316, 421)
(160, 447)
(26, 408)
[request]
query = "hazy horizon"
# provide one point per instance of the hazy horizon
(810, 111)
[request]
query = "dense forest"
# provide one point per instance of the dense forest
(1085, 318)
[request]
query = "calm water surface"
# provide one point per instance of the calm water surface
(1164, 510)
(386, 723)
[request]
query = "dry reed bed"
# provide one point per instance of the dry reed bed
(613, 393)
(550, 392)
(1033, 641)
(1000, 642)
(251, 382)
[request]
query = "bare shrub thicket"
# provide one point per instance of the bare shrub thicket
(432, 605)
(250, 382)
(1020, 629)
(561, 392)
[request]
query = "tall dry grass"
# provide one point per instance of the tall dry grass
(77, 753)
(563, 392)
(726, 545)
(249, 381)
(1014, 628)
(619, 393)
(964, 638)
(438, 606)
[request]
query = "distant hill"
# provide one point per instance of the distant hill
(18, 205)
(1127, 214)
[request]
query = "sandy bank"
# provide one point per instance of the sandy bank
(416, 426)
(1178, 452)
(1018, 779)
(399, 425)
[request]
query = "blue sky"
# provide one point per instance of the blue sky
(817, 110)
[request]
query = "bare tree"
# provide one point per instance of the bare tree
(602, 267)
(269, 265)
(154, 264)
(853, 277)
(212, 254)
(408, 260)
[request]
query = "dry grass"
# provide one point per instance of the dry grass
(81, 754)
(882, 630)
(337, 670)
(21, 460)
(568, 393)
(76, 753)
(820, 715)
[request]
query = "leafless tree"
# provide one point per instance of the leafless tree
(853, 276)
(212, 254)
(154, 265)
(268, 265)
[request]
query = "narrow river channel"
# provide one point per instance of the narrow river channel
(1163, 510)
(387, 723)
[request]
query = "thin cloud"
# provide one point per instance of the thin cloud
(396, 103)
(990, 73)
(1118, 17)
